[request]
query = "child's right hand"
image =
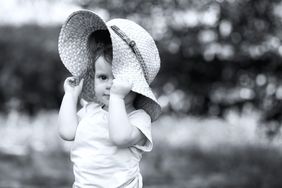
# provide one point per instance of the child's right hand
(71, 87)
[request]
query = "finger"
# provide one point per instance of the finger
(71, 82)
(127, 83)
(71, 78)
(119, 79)
(68, 81)
(122, 80)
(75, 81)
(115, 82)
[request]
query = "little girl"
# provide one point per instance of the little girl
(112, 70)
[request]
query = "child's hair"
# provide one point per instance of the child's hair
(99, 44)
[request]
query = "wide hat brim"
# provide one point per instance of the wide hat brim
(75, 55)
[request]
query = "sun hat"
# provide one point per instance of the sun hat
(135, 55)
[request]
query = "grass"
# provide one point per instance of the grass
(188, 152)
(221, 168)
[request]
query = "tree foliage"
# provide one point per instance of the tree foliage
(216, 56)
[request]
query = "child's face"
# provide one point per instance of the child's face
(103, 83)
(103, 80)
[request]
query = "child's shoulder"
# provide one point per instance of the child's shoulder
(89, 108)
(138, 111)
(139, 114)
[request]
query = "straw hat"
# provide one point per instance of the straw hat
(135, 55)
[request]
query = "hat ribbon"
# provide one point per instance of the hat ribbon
(132, 45)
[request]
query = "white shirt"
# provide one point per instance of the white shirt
(97, 162)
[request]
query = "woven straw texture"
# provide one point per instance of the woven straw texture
(77, 59)
(73, 48)
(126, 66)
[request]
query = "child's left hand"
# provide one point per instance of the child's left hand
(121, 87)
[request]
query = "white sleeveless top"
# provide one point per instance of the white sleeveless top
(97, 162)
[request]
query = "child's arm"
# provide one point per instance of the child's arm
(67, 119)
(122, 133)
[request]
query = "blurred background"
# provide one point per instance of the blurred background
(219, 85)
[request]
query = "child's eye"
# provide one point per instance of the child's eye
(102, 77)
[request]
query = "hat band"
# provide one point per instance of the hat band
(132, 45)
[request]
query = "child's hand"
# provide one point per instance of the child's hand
(121, 87)
(71, 86)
